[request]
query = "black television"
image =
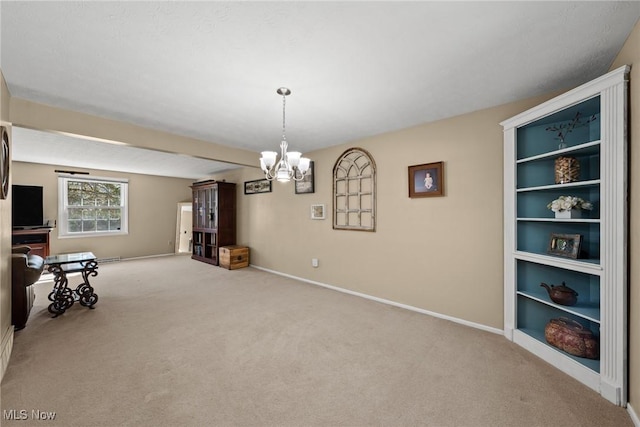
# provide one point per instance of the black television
(26, 206)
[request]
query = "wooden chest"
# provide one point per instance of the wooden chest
(232, 257)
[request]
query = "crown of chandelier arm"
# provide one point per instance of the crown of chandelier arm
(291, 164)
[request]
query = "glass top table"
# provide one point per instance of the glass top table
(62, 297)
(69, 258)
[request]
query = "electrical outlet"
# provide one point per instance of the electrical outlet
(170, 242)
(314, 262)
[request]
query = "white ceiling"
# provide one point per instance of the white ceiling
(210, 70)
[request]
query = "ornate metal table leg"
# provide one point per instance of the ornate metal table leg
(61, 296)
(85, 293)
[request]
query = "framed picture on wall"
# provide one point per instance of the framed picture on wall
(426, 180)
(317, 212)
(257, 186)
(306, 184)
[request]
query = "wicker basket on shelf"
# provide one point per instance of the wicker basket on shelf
(567, 170)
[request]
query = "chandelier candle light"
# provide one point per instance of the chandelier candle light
(291, 165)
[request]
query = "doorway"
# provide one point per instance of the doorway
(183, 228)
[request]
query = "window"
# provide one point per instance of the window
(354, 191)
(92, 206)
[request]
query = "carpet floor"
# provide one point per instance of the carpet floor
(175, 342)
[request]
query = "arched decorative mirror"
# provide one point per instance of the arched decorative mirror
(354, 191)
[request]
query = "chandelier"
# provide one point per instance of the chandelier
(291, 165)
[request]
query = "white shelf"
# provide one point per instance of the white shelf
(587, 148)
(574, 220)
(590, 183)
(586, 310)
(534, 341)
(581, 265)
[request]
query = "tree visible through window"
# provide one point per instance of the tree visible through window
(92, 206)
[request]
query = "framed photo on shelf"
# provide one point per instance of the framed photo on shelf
(426, 180)
(565, 245)
(317, 212)
(306, 184)
(257, 186)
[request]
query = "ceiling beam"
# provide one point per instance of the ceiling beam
(33, 115)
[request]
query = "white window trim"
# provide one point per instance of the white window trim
(63, 216)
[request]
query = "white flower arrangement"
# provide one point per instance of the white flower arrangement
(566, 203)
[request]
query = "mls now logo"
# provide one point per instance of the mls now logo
(23, 414)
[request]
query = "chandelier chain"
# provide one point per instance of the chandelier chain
(284, 101)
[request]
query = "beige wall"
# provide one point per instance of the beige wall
(630, 54)
(6, 330)
(441, 254)
(152, 212)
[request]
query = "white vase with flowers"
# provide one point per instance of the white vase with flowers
(567, 207)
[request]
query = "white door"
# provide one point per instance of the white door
(185, 219)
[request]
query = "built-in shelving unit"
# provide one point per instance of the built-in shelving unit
(598, 273)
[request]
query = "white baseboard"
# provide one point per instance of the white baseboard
(389, 302)
(633, 415)
(149, 256)
(6, 347)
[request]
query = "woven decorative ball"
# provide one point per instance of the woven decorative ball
(567, 170)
